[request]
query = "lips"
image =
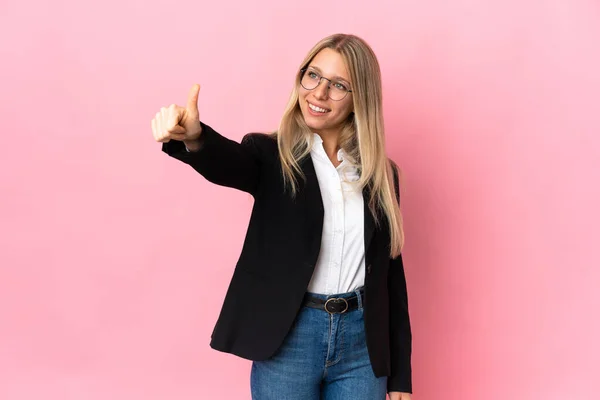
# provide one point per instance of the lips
(317, 109)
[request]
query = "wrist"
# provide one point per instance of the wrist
(192, 145)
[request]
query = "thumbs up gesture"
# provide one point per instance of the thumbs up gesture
(179, 123)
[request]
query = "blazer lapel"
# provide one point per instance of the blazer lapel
(314, 205)
(311, 188)
(369, 220)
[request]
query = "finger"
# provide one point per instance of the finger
(164, 116)
(160, 134)
(175, 129)
(192, 104)
(158, 125)
(178, 136)
(173, 118)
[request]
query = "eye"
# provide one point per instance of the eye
(313, 75)
(341, 86)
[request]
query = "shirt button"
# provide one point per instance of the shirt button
(369, 269)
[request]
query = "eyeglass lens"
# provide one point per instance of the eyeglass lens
(311, 79)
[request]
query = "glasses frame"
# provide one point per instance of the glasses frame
(321, 77)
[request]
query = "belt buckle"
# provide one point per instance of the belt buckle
(336, 299)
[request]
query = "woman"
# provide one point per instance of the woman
(318, 298)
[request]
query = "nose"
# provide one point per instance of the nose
(321, 90)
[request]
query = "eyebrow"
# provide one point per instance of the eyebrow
(335, 77)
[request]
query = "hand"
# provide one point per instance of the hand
(399, 396)
(179, 123)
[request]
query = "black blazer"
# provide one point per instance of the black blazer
(280, 252)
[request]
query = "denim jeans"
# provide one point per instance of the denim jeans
(323, 357)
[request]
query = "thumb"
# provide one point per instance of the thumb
(192, 104)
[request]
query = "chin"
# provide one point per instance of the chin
(315, 127)
(313, 124)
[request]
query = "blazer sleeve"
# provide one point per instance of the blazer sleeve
(400, 329)
(220, 160)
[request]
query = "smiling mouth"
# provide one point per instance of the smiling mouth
(317, 109)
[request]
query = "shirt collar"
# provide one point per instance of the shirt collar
(318, 147)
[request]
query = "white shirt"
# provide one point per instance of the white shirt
(341, 264)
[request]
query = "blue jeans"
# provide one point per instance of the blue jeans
(323, 357)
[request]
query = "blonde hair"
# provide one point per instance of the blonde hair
(362, 137)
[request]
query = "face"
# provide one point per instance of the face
(329, 115)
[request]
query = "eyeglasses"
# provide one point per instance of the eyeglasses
(311, 79)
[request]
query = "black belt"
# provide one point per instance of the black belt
(333, 305)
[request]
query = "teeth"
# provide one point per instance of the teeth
(317, 109)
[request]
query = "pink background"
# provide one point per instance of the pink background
(114, 258)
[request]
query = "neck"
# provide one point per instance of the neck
(331, 144)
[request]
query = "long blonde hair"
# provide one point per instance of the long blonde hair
(362, 137)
